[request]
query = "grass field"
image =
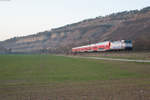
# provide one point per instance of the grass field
(50, 77)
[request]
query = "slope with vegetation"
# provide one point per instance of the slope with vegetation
(133, 25)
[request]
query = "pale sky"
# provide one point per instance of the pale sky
(24, 17)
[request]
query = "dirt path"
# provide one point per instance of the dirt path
(112, 59)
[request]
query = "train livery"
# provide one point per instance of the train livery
(105, 46)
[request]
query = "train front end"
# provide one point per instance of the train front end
(121, 45)
(128, 44)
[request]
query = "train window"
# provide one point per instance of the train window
(128, 41)
(101, 49)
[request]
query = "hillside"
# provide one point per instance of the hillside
(4, 50)
(133, 25)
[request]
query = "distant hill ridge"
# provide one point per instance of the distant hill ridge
(131, 25)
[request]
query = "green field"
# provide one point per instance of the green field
(34, 71)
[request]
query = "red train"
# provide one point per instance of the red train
(105, 46)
